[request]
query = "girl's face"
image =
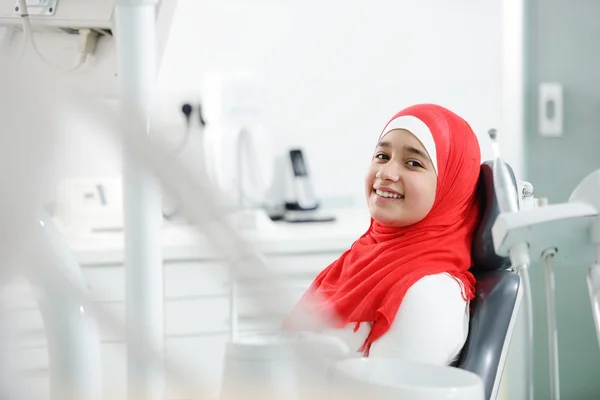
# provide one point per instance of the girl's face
(401, 181)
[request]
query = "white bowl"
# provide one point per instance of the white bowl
(377, 378)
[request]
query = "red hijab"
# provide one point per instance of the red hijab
(368, 282)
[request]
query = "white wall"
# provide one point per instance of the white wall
(512, 139)
(335, 70)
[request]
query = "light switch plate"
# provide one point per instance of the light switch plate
(550, 109)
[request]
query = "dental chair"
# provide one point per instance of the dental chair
(498, 297)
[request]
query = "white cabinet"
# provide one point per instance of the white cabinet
(196, 293)
(197, 315)
(197, 312)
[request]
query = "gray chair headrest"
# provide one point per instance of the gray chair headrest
(484, 255)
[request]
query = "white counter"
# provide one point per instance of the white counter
(184, 242)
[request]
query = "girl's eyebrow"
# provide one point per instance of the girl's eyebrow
(416, 151)
(384, 144)
(408, 149)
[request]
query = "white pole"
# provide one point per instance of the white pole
(512, 137)
(136, 46)
(516, 382)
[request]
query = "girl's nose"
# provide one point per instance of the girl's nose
(388, 172)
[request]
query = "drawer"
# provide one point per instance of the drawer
(181, 280)
(188, 279)
(250, 311)
(182, 317)
(194, 279)
(252, 317)
(189, 317)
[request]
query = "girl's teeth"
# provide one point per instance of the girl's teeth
(388, 194)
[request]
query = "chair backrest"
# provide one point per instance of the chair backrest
(498, 296)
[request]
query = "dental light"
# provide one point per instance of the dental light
(559, 232)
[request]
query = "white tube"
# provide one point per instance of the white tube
(593, 278)
(523, 271)
(519, 258)
(136, 46)
(552, 329)
(72, 333)
(593, 282)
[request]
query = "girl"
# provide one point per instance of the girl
(403, 289)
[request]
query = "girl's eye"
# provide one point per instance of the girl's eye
(415, 164)
(382, 156)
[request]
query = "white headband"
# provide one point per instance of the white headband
(418, 128)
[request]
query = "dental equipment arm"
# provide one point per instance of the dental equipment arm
(545, 230)
(508, 202)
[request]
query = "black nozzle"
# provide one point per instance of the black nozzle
(186, 109)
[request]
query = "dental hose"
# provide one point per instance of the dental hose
(519, 257)
(548, 255)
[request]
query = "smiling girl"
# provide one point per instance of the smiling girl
(403, 289)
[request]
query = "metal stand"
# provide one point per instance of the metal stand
(136, 46)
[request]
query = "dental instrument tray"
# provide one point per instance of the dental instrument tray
(307, 216)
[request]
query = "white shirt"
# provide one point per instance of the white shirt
(431, 325)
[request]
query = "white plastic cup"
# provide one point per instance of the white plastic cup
(280, 366)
